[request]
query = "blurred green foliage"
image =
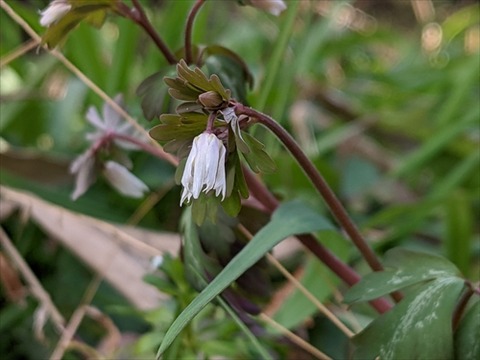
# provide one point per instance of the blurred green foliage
(389, 118)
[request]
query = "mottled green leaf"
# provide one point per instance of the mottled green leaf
(419, 327)
(402, 268)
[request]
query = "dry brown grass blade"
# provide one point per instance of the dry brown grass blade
(98, 243)
(295, 338)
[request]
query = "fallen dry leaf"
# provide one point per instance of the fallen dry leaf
(116, 252)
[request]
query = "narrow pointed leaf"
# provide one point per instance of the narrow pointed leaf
(289, 219)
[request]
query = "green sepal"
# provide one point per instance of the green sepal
(196, 81)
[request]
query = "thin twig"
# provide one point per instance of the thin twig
(322, 308)
(188, 30)
(295, 338)
(36, 287)
(19, 51)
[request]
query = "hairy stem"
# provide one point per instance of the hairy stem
(189, 29)
(137, 14)
(342, 270)
(335, 206)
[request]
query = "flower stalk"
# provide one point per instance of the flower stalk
(335, 206)
(137, 14)
(189, 29)
(342, 270)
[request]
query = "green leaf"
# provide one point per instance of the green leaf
(459, 230)
(467, 346)
(289, 219)
(257, 158)
(419, 327)
(153, 93)
(230, 68)
(403, 268)
(196, 262)
(93, 12)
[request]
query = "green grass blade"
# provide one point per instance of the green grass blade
(278, 54)
(289, 219)
(435, 144)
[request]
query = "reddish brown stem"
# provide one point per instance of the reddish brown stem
(189, 29)
(137, 14)
(342, 270)
(461, 305)
(335, 206)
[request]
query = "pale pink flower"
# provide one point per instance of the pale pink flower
(54, 12)
(205, 168)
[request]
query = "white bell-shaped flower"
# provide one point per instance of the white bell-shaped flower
(205, 168)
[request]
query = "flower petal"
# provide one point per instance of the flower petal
(54, 12)
(84, 168)
(111, 117)
(94, 118)
(123, 180)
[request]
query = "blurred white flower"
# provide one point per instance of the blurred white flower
(205, 168)
(274, 7)
(54, 12)
(112, 123)
(83, 167)
(123, 180)
(86, 165)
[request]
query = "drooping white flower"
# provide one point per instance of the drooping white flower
(54, 12)
(205, 168)
(274, 7)
(123, 180)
